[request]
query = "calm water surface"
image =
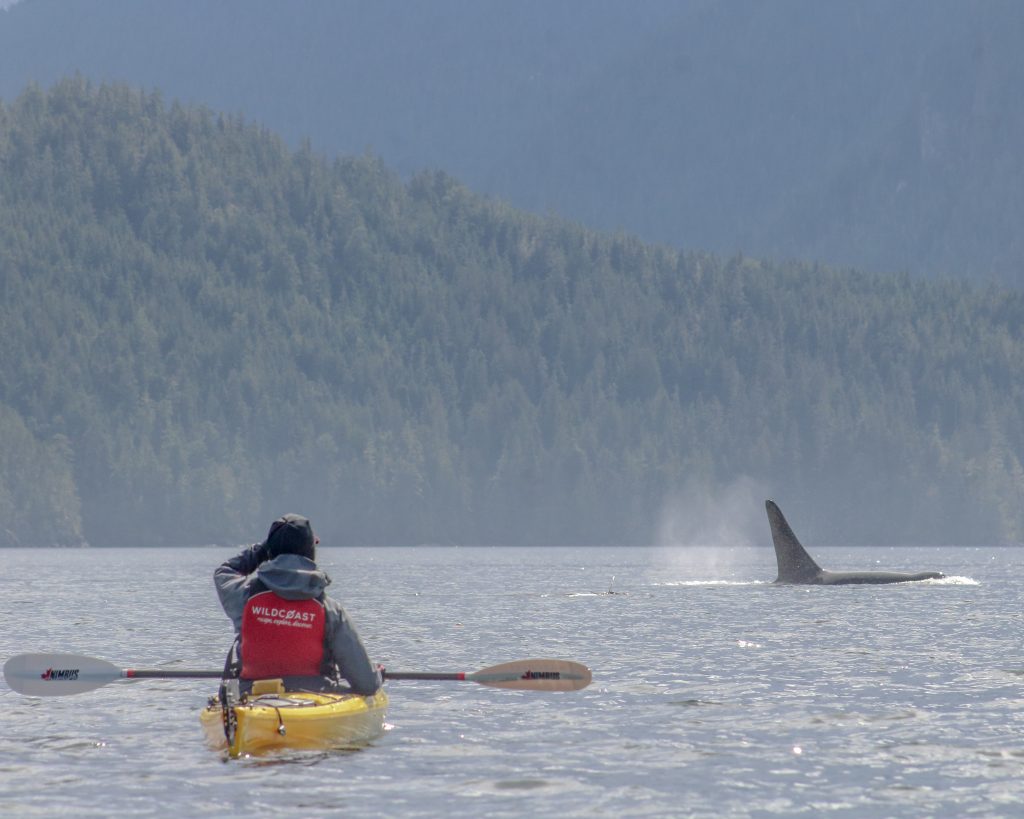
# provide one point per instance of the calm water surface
(715, 693)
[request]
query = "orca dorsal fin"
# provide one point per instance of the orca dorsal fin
(795, 565)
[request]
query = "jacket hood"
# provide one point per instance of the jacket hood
(294, 577)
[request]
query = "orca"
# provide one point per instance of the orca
(798, 567)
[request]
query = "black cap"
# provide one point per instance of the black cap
(293, 535)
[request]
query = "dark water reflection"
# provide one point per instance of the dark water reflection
(715, 693)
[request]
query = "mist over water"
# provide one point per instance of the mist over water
(715, 693)
(709, 533)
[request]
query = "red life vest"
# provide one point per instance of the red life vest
(281, 637)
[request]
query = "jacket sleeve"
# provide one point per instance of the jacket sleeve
(348, 653)
(230, 579)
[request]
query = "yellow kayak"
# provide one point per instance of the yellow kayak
(272, 719)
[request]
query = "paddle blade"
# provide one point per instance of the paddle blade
(54, 675)
(534, 675)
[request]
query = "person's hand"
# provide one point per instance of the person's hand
(256, 555)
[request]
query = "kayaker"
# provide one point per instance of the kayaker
(285, 624)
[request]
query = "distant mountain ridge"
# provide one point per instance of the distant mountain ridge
(204, 328)
(880, 134)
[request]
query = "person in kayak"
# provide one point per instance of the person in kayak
(285, 624)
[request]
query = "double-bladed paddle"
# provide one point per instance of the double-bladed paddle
(51, 675)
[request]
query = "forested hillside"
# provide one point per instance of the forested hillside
(203, 329)
(881, 134)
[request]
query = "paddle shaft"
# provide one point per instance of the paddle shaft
(148, 674)
(424, 675)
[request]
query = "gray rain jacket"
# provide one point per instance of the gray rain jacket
(295, 577)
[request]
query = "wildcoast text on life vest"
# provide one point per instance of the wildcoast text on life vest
(284, 617)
